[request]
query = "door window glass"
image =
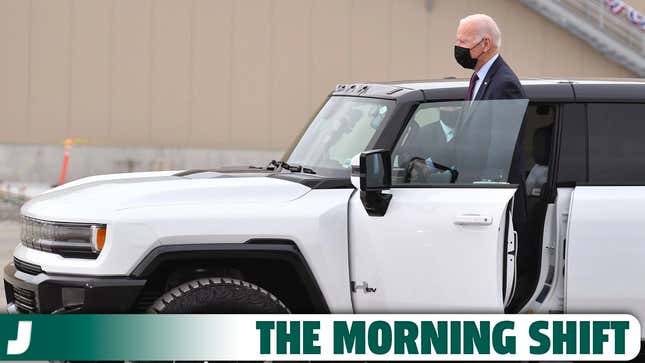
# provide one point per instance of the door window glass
(616, 147)
(573, 145)
(458, 143)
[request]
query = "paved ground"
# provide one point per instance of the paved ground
(9, 235)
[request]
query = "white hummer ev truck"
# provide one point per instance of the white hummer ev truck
(395, 198)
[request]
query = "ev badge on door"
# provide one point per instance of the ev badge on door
(366, 289)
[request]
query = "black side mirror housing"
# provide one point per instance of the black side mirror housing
(375, 168)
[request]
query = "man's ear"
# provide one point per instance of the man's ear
(488, 43)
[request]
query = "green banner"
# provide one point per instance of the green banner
(115, 337)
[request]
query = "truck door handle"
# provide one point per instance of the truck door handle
(473, 219)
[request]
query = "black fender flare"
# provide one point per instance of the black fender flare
(262, 249)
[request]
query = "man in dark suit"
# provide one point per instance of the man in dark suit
(431, 146)
(477, 47)
(436, 138)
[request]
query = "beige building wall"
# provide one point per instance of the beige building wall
(236, 74)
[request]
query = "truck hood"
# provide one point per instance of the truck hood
(98, 199)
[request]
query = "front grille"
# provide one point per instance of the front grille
(24, 299)
(27, 267)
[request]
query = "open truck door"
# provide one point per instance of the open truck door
(429, 227)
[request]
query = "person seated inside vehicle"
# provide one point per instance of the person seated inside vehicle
(433, 150)
(450, 142)
(541, 150)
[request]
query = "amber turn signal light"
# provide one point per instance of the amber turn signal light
(98, 237)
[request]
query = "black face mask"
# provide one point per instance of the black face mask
(462, 56)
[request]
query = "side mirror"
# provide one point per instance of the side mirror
(374, 171)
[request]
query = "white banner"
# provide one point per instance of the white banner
(435, 337)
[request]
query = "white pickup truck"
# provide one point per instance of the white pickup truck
(395, 198)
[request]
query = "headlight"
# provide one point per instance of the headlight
(78, 240)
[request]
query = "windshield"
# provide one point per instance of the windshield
(458, 143)
(343, 128)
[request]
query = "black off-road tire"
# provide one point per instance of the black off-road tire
(218, 295)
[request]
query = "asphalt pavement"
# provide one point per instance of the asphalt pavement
(9, 236)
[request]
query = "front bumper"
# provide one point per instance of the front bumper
(38, 292)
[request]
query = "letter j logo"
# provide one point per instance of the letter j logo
(21, 343)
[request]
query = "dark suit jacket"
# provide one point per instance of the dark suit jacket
(501, 83)
(428, 141)
(435, 143)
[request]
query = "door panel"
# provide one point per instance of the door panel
(435, 250)
(440, 245)
(606, 250)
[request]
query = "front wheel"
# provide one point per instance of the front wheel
(218, 295)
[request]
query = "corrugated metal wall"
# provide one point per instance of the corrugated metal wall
(235, 73)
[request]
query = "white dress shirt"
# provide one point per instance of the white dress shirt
(447, 131)
(481, 74)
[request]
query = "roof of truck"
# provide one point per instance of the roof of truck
(462, 82)
(537, 89)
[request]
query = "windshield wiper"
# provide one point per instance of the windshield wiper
(282, 165)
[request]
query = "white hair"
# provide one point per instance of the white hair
(486, 26)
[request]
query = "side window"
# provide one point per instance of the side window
(429, 134)
(458, 143)
(616, 147)
(573, 145)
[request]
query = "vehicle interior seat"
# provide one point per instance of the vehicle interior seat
(530, 247)
(538, 175)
